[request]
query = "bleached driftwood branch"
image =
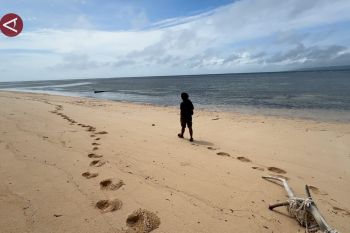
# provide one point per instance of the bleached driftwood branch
(303, 209)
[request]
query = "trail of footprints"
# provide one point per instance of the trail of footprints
(275, 170)
(278, 172)
(141, 220)
(247, 160)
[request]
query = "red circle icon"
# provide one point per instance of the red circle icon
(11, 24)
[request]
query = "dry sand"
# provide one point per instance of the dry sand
(83, 165)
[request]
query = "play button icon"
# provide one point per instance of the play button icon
(11, 25)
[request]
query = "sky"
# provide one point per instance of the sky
(66, 39)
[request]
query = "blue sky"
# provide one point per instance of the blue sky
(105, 14)
(65, 39)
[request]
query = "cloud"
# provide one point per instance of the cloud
(245, 36)
(123, 63)
(290, 37)
(313, 54)
(75, 62)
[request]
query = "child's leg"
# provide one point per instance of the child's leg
(183, 131)
(183, 127)
(191, 132)
(189, 125)
(181, 135)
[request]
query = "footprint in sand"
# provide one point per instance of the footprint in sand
(342, 211)
(92, 135)
(316, 190)
(109, 205)
(89, 175)
(215, 119)
(97, 163)
(276, 170)
(102, 132)
(95, 148)
(243, 159)
(93, 155)
(184, 164)
(258, 168)
(109, 185)
(97, 138)
(91, 129)
(95, 144)
(223, 154)
(142, 221)
(211, 148)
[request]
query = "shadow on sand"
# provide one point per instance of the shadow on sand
(203, 143)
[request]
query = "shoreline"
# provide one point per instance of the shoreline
(293, 114)
(61, 156)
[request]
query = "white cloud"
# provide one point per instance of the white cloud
(247, 35)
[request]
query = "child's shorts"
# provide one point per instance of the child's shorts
(186, 121)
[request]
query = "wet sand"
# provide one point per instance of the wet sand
(83, 165)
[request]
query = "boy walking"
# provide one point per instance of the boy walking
(186, 113)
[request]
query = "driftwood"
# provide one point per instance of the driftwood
(303, 209)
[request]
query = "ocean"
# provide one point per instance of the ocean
(307, 94)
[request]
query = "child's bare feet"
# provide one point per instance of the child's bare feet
(180, 135)
(191, 139)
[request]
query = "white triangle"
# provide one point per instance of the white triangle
(14, 21)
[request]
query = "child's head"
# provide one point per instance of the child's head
(184, 96)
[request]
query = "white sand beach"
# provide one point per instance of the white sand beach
(60, 156)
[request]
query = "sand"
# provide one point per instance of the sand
(83, 165)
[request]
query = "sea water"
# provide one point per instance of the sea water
(309, 94)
